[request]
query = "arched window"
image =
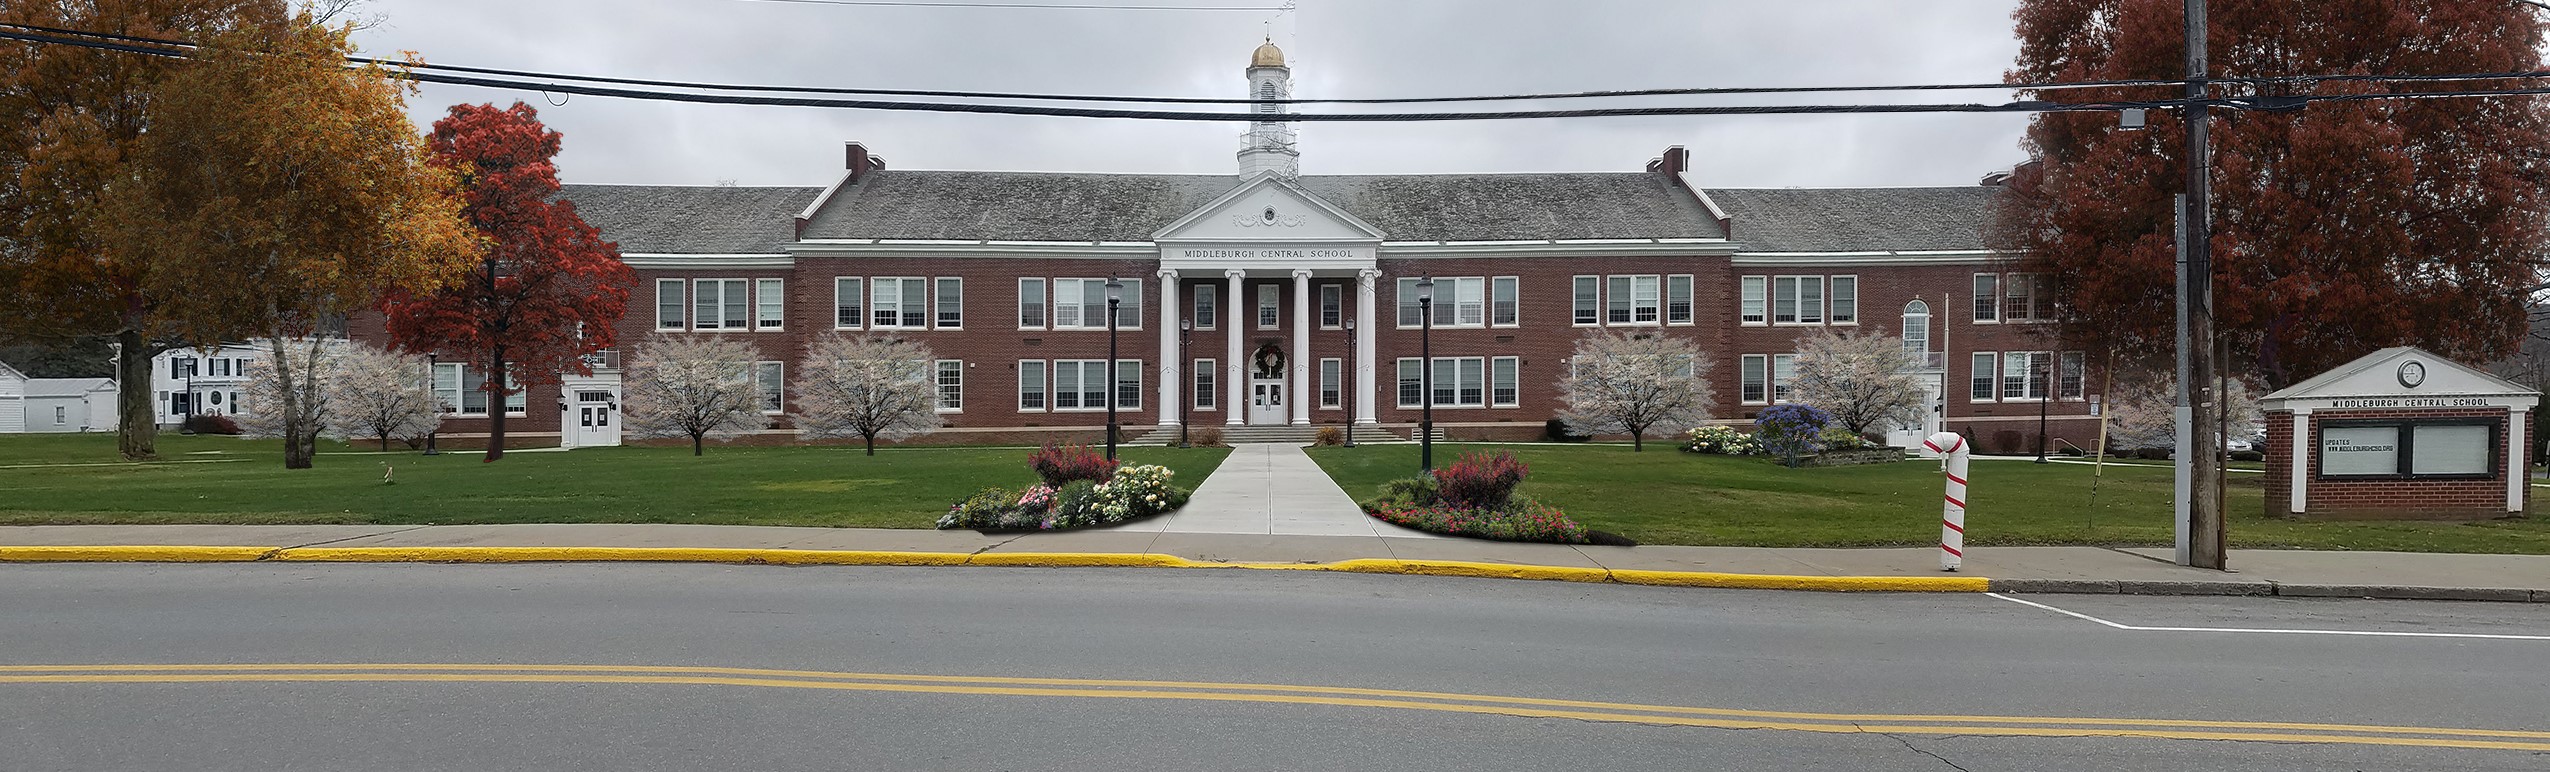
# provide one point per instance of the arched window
(1917, 332)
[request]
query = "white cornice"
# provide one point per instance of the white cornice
(1559, 248)
(677, 260)
(1871, 257)
(997, 250)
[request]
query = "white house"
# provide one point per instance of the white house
(201, 381)
(31, 405)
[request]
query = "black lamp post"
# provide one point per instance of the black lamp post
(1354, 400)
(1115, 293)
(437, 427)
(1184, 326)
(192, 364)
(1425, 372)
(2044, 396)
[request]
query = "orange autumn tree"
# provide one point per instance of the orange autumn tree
(71, 120)
(296, 191)
(2338, 228)
(546, 292)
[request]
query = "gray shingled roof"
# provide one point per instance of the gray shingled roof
(63, 387)
(1026, 206)
(1857, 219)
(676, 219)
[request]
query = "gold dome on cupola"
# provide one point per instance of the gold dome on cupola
(1267, 56)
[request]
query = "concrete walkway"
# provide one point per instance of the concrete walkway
(1270, 489)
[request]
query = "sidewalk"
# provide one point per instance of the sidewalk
(2013, 569)
(1274, 490)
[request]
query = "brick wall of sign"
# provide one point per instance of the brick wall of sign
(2398, 498)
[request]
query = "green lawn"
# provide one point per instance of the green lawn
(245, 482)
(1664, 496)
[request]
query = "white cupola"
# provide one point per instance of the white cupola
(1270, 142)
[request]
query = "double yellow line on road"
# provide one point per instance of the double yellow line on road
(1480, 704)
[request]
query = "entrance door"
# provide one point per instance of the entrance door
(1910, 435)
(1266, 402)
(596, 422)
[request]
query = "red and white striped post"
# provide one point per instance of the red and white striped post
(1951, 448)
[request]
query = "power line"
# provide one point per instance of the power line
(2025, 106)
(1036, 6)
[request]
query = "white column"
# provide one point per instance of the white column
(1234, 366)
(2301, 461)
(1365, 326)
(1303, 372)
(2518, 460)
(1172, 361)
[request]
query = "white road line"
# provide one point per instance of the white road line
(2365, 633)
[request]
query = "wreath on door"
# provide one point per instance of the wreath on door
(1270, 361)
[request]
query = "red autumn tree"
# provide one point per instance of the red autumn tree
(2338, 228)
(548, 291)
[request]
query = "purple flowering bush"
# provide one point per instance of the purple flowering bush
(1791, 431)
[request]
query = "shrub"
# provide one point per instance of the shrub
(987, 508)
(1204, 436)
(1479, 480)
(211, 423)
(1141, 490)
(1839, 438)
(1061, 464)
(1405, 492)
(1329, 436)
(2248, 455)
(1135, 491)
(1521, 519)
(1558, 431)
(1721, 440)
(1790, 431)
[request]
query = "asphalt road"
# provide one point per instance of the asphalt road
(952, 668)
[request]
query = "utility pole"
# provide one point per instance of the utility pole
(2201, 543)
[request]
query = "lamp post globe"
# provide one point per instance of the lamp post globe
(1425, 373)
(1115, 294)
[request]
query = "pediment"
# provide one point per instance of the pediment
(1269, 208)
(2401, 371)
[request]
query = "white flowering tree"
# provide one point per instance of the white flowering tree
(693, 386)
(869, 388)
(288, 393)
(1639, 384)
(2142, 411)
(381, 395)
(1860, 378)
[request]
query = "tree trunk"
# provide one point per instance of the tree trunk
(296, 452)
(496, 403)
(872, 443)
(1637, 441)
(385, 442)
(137, 418)
(695, 438)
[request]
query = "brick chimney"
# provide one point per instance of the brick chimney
(1675, 161)
(859, 162)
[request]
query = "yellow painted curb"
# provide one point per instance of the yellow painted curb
(133, 554)
(1457, 568)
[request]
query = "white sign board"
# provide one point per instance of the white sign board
(2355, 451)
(2452, 449)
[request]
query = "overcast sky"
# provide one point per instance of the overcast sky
(1338, 48)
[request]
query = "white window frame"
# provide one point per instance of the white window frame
(1987, 304)
(517, 404)
(1791, 291)
(1128, 392)
(939, 378)
(2074, 366)
(1783, 378)
(1080, 369)
(681, 318)
(742, 309)
(2030, 387)
(855, 290)
(1406, 381)
(940, 308)
(1505, 301)
(1753, 374)
(1332, 306)
(1207, 309)
(1983, 369)
(1646, 300)
(1834, 303)
(904, 318)
(1205, 385)
(764, 373)
(1267, 307)
(1035, 385)
(1332, 387)
(1031, 295)
(770, 305)
(2018, 297)
(1585, 310)
(1453, 375)
(1087, 316)
(1618, 305)
(1754, 301)
(1505, 382)
(1688, 286)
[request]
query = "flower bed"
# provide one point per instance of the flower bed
(1080, 490)
(1474, 497)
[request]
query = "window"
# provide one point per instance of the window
(1129, 384)
(1917, 333)
(772, 379)
(2074, 375)
(1411, 383)
(1270, 306)
(951, 298)
(1783, 376)
(1410, 314)
(668, 304)
(181, 367)
(2018, 297)
(1505, 301)
(1204, 374)
(898, 303)
(1645, 293)
(1208, 299)
(1986, 376)
(1987, 294)
(1031, 384)
(2464, 448)
(1081, 384)
(1458, 382)
(1332, 306)
(221, 366)
(1469, 302)
(1677, 300)
(1031, 304)
(1797, 300)
(1588, 300)
(1332, 392)
(1616, 311)
(849, 303)
(1845, 300)
(61, 415)
(1755, 294)
(951, 385)
(463, 391)
(719, 304)
(1505, 375)
(1081, 304)
(1756, 387)
(2024, 374)
(770, 303)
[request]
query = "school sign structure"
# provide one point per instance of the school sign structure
(2399, 433)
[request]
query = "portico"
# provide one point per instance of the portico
(1280, 262)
